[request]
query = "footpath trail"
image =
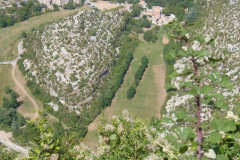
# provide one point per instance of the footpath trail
(22, 90)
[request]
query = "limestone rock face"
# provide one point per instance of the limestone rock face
(71, 56)
(224, 27)
(222, 24)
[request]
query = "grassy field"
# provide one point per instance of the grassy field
(9, 36)
(145, 103)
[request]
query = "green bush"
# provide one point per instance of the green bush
(23, 35)
(131, 92)
(144, 60)
(151, 35)
(148, 35)
(55, 7)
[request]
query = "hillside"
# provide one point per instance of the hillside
(69, 58)
(224, 27)
(221, 22)
(86, 62)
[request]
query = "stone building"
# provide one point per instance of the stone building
(155, 14)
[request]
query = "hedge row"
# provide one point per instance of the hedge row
(138, 76)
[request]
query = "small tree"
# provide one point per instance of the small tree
(148, 35)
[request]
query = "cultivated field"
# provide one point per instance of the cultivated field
(9, 36)
(150, 94)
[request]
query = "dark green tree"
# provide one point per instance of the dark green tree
(131, 92)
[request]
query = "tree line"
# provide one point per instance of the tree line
(20, 12)
(137, 77)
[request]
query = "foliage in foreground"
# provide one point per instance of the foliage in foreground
(198, 103)
(124, 137)
(6, 154)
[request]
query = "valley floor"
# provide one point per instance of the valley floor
(150, 94)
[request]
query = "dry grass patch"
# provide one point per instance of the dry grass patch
(165, 40)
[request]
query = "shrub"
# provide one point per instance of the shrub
(148, 35)
(131, 92)
(23, 35)
(55, 7)
(144, 60)
(7, 89)
(151, 35)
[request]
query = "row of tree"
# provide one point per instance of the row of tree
(138, 76)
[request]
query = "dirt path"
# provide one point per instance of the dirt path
(159, 74)
(22, 91)
(165, 40)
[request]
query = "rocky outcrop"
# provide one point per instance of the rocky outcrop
(69, 58)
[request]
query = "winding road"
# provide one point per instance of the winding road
(3, 140)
